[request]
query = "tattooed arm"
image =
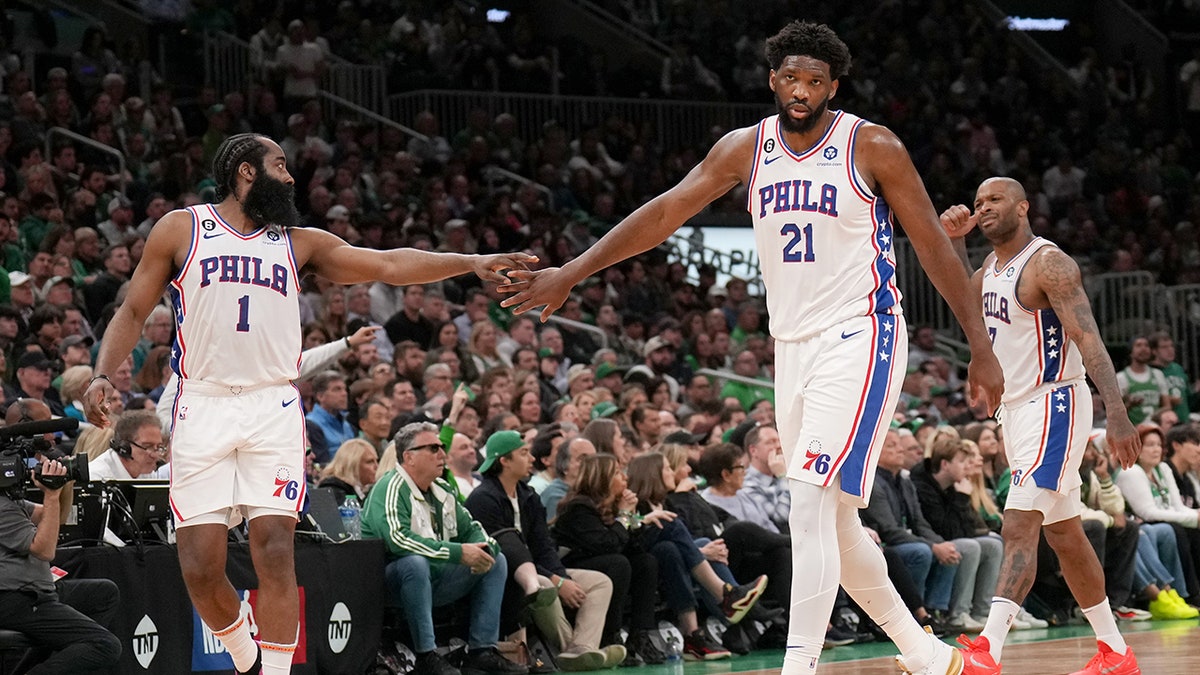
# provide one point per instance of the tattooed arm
(1057, 276)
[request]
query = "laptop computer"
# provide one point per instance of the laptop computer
(323, 515)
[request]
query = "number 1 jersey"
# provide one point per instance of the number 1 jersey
(237, 306)
(824, 240)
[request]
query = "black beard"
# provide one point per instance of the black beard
(271, 202)
(793, 126)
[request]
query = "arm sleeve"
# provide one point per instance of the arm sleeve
(313, 361)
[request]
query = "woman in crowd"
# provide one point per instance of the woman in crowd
(1152, 495)
(482, 346)
(528, 407)
(652, 479)
(753, 550)
(587, 526)
(351, 472)
(606, 435)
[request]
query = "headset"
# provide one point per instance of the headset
(121, 447)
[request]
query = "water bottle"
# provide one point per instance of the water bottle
(351, 518)
(674, 656)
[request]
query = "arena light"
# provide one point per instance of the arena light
(1029, 23)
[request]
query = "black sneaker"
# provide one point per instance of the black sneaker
(643, 645)
(488, 662)
(432, 663)
(736, 640)
(838, 637)
(255, 669)
(699, 647)
(739, 600)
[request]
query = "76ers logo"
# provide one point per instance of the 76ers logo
(284, 485)
(815, 460)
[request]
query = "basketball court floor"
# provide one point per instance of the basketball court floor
(1163, 648)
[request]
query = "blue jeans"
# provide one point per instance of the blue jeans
(977, 574)
(676, 552)
(1158, 558)
(713, 605)
(413, 589)
(934, 579)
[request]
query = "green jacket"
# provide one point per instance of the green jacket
(432, 524)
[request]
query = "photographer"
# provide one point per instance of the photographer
(55, 617)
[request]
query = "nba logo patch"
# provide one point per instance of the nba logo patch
(183, 412)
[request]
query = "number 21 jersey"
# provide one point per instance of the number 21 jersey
(237, 305)
(824, 240)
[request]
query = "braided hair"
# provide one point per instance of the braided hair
(230, 155)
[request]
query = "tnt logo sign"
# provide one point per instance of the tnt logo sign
(208, 654)
(145, 641)
(340, 626)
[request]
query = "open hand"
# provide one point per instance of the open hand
(547, 288)
(985, 380)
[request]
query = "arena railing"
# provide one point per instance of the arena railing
(230, 65)
(1181, 319)
(90, 142)
(730, 376)
(678, 124)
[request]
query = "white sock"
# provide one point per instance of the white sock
(999, 620)
(237, 641)
(277, 658)
(1105, 626)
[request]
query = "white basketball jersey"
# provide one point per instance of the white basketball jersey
(237, 305)
(824, 240)
(1030, 344)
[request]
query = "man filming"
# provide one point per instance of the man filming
(55, 617)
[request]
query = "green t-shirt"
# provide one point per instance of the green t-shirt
(1144, 392)
(1178, 385)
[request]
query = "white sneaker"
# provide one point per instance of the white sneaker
(1131, 614)
(946, 659)
(963, 622)
(1033, 621)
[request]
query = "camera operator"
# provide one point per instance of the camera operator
(135, 451)
(55, 617)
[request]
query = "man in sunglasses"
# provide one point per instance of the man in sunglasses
(437, 554)
(135, 452)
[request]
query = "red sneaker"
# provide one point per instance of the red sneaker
(977, 656)
(1108, 662)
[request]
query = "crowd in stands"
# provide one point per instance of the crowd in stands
(642, 467)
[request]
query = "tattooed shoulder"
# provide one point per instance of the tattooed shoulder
(1058, 274)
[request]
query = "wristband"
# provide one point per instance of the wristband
(561, 579)
(99, 377)
(348, 345)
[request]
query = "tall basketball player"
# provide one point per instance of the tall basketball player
(825, 190)
(233, 271)
(1044, 334)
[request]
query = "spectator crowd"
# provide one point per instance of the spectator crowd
(537, 470)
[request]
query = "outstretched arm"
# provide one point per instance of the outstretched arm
(885, 161)
(725, 166)
(1057, 275)
(334, 259)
